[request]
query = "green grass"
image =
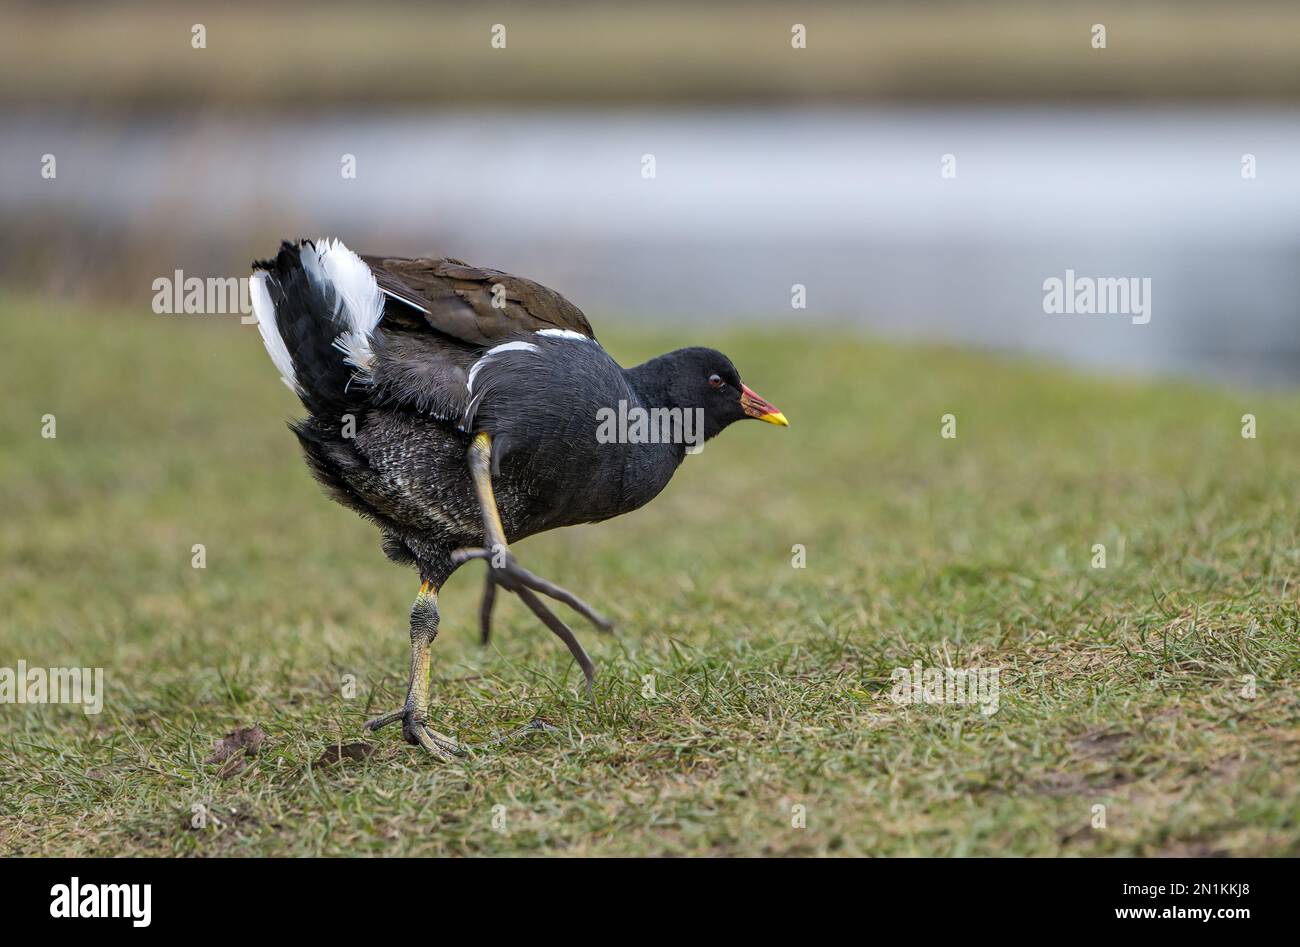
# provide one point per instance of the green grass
(1120, 687)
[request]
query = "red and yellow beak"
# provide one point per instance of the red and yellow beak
(757, 407)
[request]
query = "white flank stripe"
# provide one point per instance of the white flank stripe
(496, 350)
(564, 334)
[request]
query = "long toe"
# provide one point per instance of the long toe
(436, 743)
(535, 582)
(461, 556)
(385, 719)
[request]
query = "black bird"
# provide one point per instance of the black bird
(461, 409)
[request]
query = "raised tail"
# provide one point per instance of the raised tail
(317, 305)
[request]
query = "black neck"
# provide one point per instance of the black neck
(649, 381)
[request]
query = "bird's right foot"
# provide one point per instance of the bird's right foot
(505, 571)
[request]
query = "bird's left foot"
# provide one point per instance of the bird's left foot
(418, 733)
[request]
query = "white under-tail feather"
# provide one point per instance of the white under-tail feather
(264, 309)
(358, 306)
(335, 272)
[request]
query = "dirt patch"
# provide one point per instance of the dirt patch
(235, 748)
(338, 752)
(1081, 784)
(1099, 744)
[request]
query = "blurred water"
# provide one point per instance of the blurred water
(744, 204)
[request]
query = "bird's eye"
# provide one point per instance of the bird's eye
(715, 381)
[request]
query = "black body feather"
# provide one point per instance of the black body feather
(390, 441)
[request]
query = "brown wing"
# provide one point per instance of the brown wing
(456, 299)
(428, 370)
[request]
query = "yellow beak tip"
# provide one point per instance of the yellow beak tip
(775, 417)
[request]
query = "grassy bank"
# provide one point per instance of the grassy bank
(1120, 687)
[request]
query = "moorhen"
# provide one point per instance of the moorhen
(461, 409)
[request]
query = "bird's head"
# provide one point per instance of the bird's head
(705, 379)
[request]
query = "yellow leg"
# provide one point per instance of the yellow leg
(422, 635)
(506, 572)
(414, 714)
(480, 467)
